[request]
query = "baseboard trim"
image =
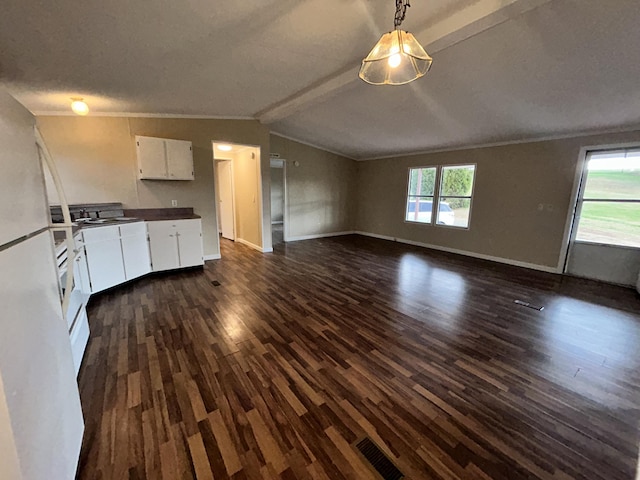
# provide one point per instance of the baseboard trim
(277, 223)
(318, 235)
(215, 256)
(249, 244)
(267, 250)
(507, 261)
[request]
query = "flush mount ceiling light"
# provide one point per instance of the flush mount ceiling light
(397, 58)
(79, 106)
(225, 148)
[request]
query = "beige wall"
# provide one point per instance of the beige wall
(97, 161)
(320, 191)
(247, 202)
(510, 183)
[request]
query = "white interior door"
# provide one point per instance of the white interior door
(225, 198)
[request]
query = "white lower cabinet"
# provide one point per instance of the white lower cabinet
(104, 257)
(135, 250)
(79, 337)
(81, 271)
(77, 320)
(175, 244)
(115, 254)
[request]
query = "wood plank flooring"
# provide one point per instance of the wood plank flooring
(300, 353)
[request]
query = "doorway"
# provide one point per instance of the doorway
(238, 194)
(604, 243)
(278, 188)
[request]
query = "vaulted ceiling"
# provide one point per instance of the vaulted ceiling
(504, 70)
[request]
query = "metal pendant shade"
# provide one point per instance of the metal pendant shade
(396, 59)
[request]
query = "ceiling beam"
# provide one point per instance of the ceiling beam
(461, 25)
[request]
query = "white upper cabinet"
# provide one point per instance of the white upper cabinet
(164, 159)
(179, 159)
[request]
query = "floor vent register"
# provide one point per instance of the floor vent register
(378, 460)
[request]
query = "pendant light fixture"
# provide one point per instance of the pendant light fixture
(397, 58)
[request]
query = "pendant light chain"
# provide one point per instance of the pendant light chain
(401, 12)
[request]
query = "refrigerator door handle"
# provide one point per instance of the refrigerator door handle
(48, 162)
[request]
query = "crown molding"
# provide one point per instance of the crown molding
(548, 138)
(66, 113)
(308, 144)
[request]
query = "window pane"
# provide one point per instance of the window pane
(419, 209)
(454, 212)
(422, 181)
(613, 178)
(610, 222)
(457, 181)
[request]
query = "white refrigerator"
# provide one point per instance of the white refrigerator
(41, 422)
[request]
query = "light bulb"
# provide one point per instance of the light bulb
(395, 60)
(79, 106)
(225, 148)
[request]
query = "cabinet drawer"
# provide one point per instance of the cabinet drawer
(190, 224)
(101, 234)
(133, 229)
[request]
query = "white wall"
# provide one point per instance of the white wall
(277, 194)
(605, 262)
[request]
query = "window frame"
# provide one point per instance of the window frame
(433, 197)
(436, 195)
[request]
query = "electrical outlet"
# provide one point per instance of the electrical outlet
(174, 203)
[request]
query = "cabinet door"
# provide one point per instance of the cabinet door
(135, 250)
(190, 242)
(104, 257)
(179, 160)
(152, 158)
(163, 245)
(81, 272)
(79, 338)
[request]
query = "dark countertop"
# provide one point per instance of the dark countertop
(130, 216)
(103, 222)
(59, 236)
(151, 214)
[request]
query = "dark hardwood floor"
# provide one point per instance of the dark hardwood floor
(298, 354)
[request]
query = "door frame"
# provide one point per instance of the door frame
(264, 232)
(233, 195)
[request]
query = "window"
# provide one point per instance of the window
(422, 187)
(608, 210)
(452, 195)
